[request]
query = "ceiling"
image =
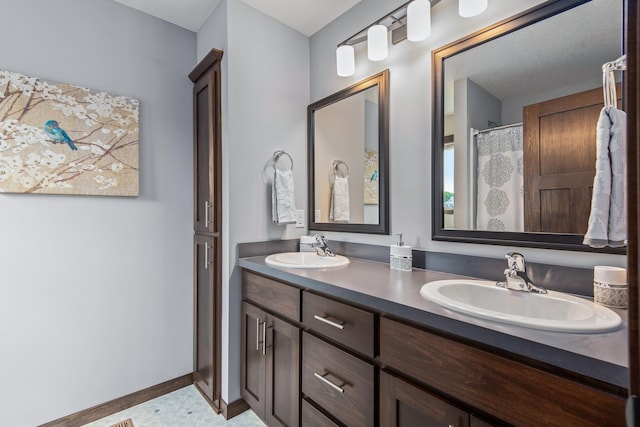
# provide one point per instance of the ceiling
(305, 16)
(556, 53)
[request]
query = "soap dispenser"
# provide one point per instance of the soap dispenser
(400, 257)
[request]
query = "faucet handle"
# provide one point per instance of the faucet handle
(515, 261)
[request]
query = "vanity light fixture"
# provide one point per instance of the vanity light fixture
(469, 8)
(346, 60)
(377, 42)
(410, 21)
(418, 20)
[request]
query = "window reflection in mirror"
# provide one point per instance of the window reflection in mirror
(519, 123)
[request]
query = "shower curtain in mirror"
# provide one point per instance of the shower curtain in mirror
(500, 195)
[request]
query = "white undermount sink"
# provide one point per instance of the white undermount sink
(305, 260)
(554, 311)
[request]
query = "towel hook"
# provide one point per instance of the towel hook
(276, 157)
(609, 80)
(336, 168)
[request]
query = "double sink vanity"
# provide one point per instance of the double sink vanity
(346, 341)
(359, 344)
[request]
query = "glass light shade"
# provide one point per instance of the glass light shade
(469, 8)
(418, 20)
(345, 61)
(377, 42)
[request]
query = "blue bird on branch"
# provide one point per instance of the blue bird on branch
(57, 134)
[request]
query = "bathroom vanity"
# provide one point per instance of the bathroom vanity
(358, 346)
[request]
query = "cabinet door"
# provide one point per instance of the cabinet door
(205, 333)
(207, 152)
(282, 373)
(254, 349)
(404, 405)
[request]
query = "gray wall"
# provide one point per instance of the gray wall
(265, 95)
(512, 108)
(340, 135)
(474, 108)
(96, 292)
(410, 119)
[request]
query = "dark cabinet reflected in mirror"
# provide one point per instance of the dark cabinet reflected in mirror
(515, 112)
(348, 158)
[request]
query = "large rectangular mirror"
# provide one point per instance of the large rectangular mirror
(515, 112)
(348, 158)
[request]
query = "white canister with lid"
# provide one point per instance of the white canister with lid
(610, 286)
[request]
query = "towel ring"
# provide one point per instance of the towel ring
(276, 157)
(336, 168)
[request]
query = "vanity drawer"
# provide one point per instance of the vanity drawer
(507, 389)
(340, 383)
(276, 296)
(343, 323)
(311, 417)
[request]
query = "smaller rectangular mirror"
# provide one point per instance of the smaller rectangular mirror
(348, 158)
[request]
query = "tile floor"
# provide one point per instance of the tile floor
(182, 408)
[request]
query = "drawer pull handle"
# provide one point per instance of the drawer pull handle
(327, 382)
(329, 322)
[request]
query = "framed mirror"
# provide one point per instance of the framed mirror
(348, 154)
(514, 138)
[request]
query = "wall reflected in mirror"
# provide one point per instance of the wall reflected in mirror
(346, 160)
(520, 115)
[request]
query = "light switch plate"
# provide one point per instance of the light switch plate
(299, 218)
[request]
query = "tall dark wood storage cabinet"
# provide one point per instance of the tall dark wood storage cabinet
(207, 226)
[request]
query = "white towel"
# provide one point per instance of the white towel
(608, 219)
(339, 209)
(282, 198)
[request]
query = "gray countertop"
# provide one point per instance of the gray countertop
(600, 356)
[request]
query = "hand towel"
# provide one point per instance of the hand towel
(282, 198)
(608, 218)
(339, 209)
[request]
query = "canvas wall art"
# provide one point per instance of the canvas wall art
(56, 138)
(370, 177)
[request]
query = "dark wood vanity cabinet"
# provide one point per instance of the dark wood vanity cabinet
(313, 360)
(270, 376)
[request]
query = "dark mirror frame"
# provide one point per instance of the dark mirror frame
(382, 80)
(539, 240)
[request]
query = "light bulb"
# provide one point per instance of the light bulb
(418, 20)
(469, 8)
(377, 42)
(345, 61)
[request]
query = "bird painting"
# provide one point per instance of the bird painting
(57, 134)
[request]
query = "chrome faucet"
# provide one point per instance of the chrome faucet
(516, 275)
(320, 244)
